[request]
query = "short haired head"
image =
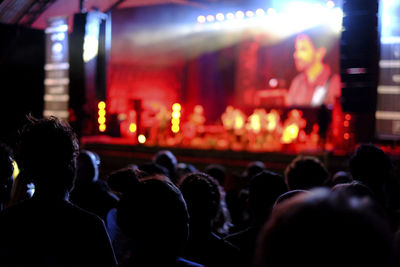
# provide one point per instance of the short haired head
(320, 228)
(168, 160)
(305, 172)
(370, 165)
(155, 217)
(47, 153)
(264, 189)
(87, 167)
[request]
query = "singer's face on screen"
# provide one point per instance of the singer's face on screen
(304, 54)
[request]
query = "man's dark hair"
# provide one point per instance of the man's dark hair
(47, 153)
(305, 172)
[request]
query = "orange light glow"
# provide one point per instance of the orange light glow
(176, 115)
(102, 128)
(102, 113)
(175, 128)
(102, 105)
(255, 123)
(132, 127)
(290, 133)
(141, 139)
(239, 122)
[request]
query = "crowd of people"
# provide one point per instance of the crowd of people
(169, 213)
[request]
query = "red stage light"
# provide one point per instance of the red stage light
(347, 116)
(346, 136)
(346, 123)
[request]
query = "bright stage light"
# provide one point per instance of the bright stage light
(230, 16)
(249, 13)
(132, 127)
(239, 14)
(330, 4)
(220, 17)
(271, 11)
(201, 19)
(260, 12)
(210, 18)
(142, 139)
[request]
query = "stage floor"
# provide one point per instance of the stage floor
(116, 153)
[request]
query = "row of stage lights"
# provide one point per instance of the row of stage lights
(241, 15)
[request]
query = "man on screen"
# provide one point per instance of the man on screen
(315, 85)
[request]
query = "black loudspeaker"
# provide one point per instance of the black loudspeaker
(89, 52)
(359, 55)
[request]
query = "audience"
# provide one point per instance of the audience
(47, 230)
(58, 212)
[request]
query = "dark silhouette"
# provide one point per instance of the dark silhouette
(90, 193)
(202, 196)
(305, 172)
(151, 168)
(6, 175)
(48, 230)
(168, 160)
(264, 189)
(154, 216)
(288, 195)
(340, 177)
(223, 221)
(320, 228)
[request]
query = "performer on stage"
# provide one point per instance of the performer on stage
(316, 84)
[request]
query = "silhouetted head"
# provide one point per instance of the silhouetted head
(370, 165)
(124, 180)
(6, 173)
(339, 177)
(288, 195)
(216, 171)
(155, 217)
(168, 160)
(320, 228)
(305, 172)
(151, 168)
(47, 154)
(184, 169)
(202, 196)
(253, 168)
(264, 189)
(87, 167)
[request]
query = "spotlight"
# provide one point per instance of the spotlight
(260, 12)
(249, 13)
(201, 19)
(239, 14)
(220, 17)
(210, 18)
(330, 4)
(230, 16)
(271, 11)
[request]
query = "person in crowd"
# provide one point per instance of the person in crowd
(223, 221)
(316, 84)
(305, 172)
(168, 160)
(6, 175)
(264, 189)
(288, 195)
(151, 168)
(90, 193)
(340, 177)
(184, 169)
(155, 219)
(320, 228)
(202, 196)
(122, 182)
(47, 230)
